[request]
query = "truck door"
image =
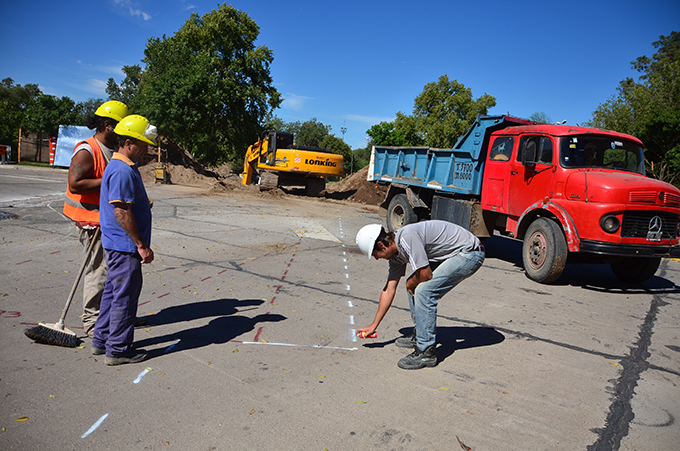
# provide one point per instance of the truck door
(531, 181)
(497, 174)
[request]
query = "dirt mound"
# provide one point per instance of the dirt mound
(356, 188)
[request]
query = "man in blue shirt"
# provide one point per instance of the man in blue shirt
(442, 255)
(125, 217)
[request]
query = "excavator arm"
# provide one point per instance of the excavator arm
(251, 159)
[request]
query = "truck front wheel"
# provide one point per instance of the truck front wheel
(545, 251)
(636, 269)
(400, 213)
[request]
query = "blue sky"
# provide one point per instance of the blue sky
(356, 63)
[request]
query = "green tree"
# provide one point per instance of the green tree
(541, 118)
(386, 134)
(88, 108)
(307, 133)
(338, 146)
(46, 113)
(443, 111)
(648, 108)
(312, 133)
(127, 91)
(208, 87)
(14, 99)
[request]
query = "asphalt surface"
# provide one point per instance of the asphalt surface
(251, 304)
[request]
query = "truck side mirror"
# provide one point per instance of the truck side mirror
(529, 153)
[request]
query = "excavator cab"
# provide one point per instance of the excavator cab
(276, 140)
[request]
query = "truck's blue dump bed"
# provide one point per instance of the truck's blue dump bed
(457, 170)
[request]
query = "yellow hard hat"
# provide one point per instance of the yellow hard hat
(137, 127)
(114, 109)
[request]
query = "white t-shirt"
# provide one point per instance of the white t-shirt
(108, 153)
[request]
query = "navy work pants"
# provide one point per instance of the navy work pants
(115, 326)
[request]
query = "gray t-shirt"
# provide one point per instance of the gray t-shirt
(428, 241)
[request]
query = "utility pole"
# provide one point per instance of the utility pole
(343, 129)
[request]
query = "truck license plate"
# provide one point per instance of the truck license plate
(653, 236)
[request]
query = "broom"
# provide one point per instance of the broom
(56, 334)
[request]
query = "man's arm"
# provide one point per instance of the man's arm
(127, 221)
(80, 174)
(386, 298)
(421, 275)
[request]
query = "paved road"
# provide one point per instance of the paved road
(21, 183)
(251, 304)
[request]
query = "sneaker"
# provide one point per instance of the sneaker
(133, 357)
(407, 342)
(419, 359)
(98, 351)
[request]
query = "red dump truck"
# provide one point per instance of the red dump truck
(568, 192)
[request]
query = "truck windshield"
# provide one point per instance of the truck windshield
(587, 151)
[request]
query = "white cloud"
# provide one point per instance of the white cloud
(94, 86)
(134, 12)
(294, 102)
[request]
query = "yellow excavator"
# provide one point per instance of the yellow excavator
(281, 163)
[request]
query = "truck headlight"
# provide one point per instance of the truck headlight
(610, 223)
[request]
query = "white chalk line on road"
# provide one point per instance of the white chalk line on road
(293, 345)
(95, 426)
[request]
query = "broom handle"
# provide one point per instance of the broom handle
(80, 275)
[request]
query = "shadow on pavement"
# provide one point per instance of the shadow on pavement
(225, 327)
(451, 339)
(198, 310)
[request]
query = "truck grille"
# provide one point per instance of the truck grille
(650, 197)
(643, 196)
(636, 224)
(671, 200)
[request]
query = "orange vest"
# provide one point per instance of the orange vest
(84, 208)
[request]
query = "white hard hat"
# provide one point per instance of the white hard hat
(366, 238)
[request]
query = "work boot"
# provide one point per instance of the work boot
(98, 351)
(132, 357)
(407, 342)
(419, 359)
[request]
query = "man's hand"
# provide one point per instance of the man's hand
(421, 275)
(146, 253)
(127, 221)
(368, 330)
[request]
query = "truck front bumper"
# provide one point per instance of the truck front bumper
(629, 250)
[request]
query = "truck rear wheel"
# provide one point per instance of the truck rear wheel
(400, 213)
(636, 269)
(545, 251)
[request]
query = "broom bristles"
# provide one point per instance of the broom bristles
(51, 334)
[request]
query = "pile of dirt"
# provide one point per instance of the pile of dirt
(182, 169)
(356, 188)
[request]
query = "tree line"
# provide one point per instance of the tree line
(209, 90)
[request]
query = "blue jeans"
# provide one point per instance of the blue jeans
(115, 326)
(427, 294)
